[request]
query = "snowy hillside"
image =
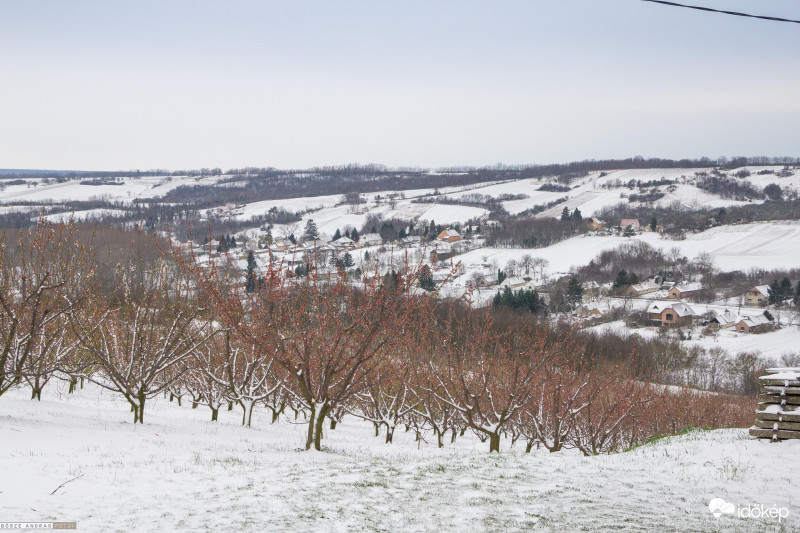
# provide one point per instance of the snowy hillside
(78, 458)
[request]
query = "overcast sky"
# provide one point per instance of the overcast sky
(190, 84)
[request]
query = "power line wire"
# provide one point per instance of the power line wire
(736, 13)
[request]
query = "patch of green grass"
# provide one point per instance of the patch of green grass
(656, 438)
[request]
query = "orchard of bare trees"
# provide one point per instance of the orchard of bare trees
(319, 350)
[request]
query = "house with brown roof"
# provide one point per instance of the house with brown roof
(723, 319)
(684, 290)
(632, 222)
(645, 287)
(670, 313)
(753, 324)
(594, 224)
(449, 235)
(757, 296)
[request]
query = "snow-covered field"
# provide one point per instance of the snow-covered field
(765, 245)
(179, 471)
(773, 344)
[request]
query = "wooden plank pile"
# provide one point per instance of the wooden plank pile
(778, 414)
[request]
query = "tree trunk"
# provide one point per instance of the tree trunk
(389, 434)
(140, 408)
(72, 383)
(247, 414)
(528, 447)
(315, 423)
(230, 406)
(377, 429)
(214, 414)
(494, 442)
(171, 397)
(81, 382)
(439, 439)
(333, 424)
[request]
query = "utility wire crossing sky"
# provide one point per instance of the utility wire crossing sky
(180, 84)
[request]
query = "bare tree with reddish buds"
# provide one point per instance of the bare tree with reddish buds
(386, 399)
(485, 376)
(207, 374)
(602, 425)
(325, 334)
(43, 276)
(250, 374)
(136, 344)
(51, 353)
(559, 395)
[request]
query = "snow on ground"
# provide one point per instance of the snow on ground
(773, 344)
(690, 197)
(181, 472)
(452, 214)
(740, 247)
(620, 328)
(84, 215)
(293, 205)
(759, 245)
(73, 190)
(562, 256)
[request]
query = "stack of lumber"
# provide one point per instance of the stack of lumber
(778, 414)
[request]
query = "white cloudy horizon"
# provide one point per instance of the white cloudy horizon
(92, 85)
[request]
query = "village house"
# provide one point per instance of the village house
(632, 222)
(591, 289)
(684, 290)
(723, 319)
(370, 239)
(753, 324)
(646, 287)
(317, 244)
(594, 224)
(486, 280)
(593, 310)
(670, 313)
(410, 240)
(512, 283)
(758, 296)
(449, 235)
(441, 252)
(344, 243)
(282, 245)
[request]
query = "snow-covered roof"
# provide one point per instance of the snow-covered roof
(648, 285)
(757, 320)
(370, 238)
(602, 307)
(589, 285)
(680, 308)
(689, 287)
(512, 282)
(763, 289)
(343, 241)
(725, 317)
(629, 222)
